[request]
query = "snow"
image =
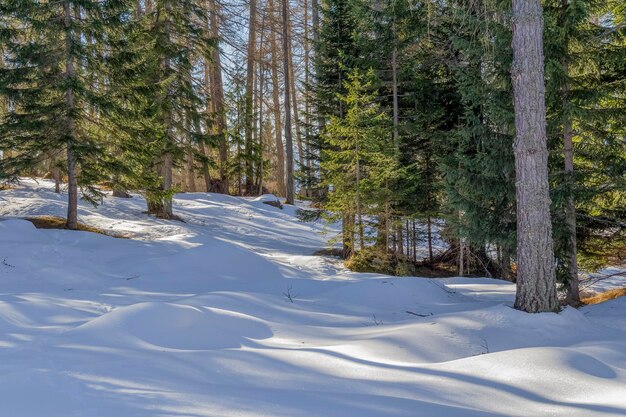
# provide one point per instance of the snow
(605, 280)
(193, 319)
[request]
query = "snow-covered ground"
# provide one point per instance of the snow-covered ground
(604, 280)
(193, 319)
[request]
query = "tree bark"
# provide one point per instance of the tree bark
(72, 180)
(278, 128)
(536, 284)
(260, 95)
(288, 133)
(217, 88)
(294, 96)
(307, 96)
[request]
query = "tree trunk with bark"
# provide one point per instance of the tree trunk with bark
(217, 97)
(278, 126)
(294, 96)
(72, 180)
(288, 134)
(536, 284)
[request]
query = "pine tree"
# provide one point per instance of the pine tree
(585, 50)
(477, 157)
(177, 34)
(53, 62)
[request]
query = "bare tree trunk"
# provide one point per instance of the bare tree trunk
(72, 180)
(307, 106)
(278, 128)
(217, 88)
(536, 284)
(260, 95)
(288, 133)
(294, 96)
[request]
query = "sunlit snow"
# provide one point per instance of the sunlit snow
(194, 319)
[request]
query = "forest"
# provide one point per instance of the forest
(384, 114)
(451, 140)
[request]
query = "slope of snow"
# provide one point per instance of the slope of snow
(193, 319)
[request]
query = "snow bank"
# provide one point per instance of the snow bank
(195, 319)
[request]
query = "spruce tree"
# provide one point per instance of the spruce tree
(177, 35)
(53, 52)
(585, 50)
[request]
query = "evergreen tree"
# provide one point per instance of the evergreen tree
(477, 158)
(359, 162)
(177, 34)
(585, 50)
(52, 81)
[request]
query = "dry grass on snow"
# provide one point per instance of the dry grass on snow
(53, 222)
(596, 298)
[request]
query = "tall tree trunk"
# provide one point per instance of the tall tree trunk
(217, 88)
(536, 283)
(307, 106)
(294, 97)
(288, 133)
(72, 180)
(249, 119)
(261, 138)
(278, 128)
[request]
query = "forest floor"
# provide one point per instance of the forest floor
(229, 314)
